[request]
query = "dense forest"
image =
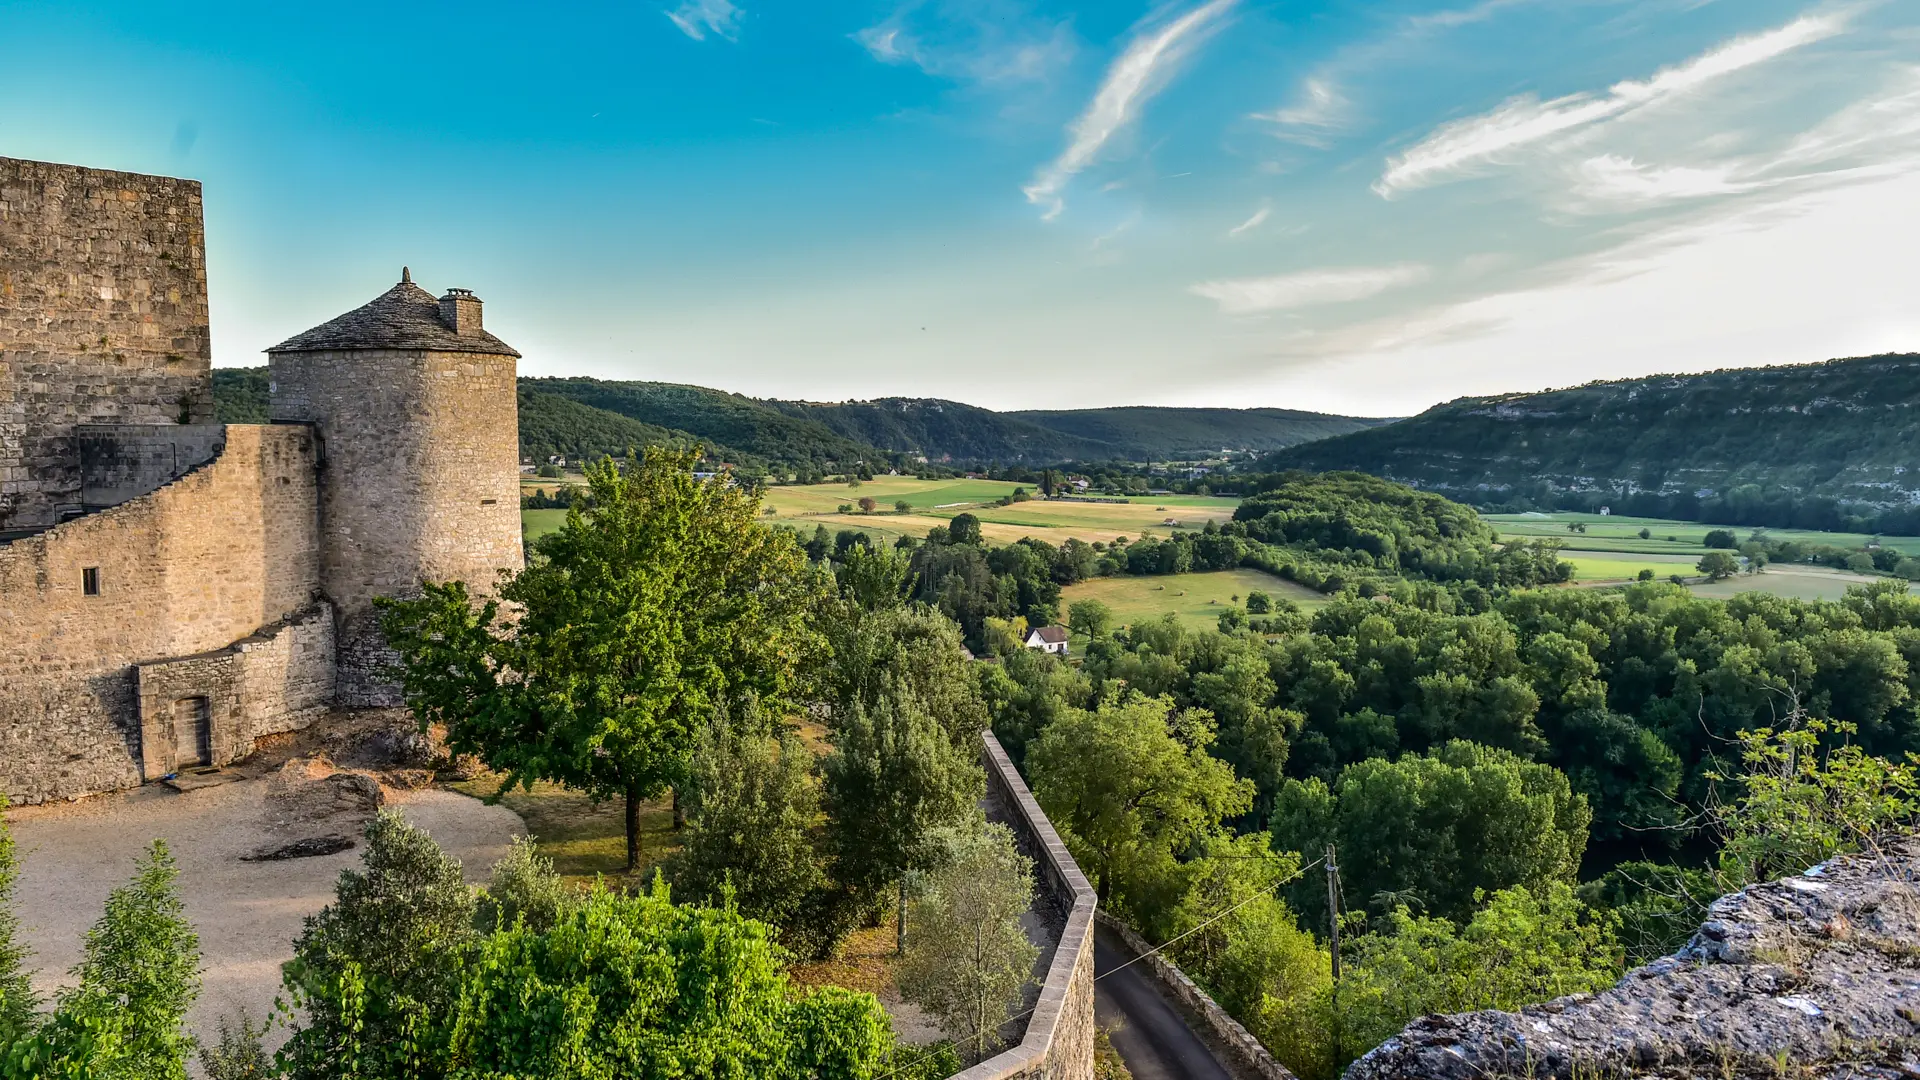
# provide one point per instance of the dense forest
(1160, 433)
(950, 430)
(1817, 446)
(1529, 789)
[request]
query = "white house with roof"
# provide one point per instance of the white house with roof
(1048, 639)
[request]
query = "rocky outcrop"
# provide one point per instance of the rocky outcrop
(1809, 977)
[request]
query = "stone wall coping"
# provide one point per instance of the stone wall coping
(1246, 1050)
(1076, 938)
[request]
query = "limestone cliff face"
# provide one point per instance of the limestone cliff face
(1812, 976)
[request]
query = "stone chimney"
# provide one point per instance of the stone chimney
(460, 310)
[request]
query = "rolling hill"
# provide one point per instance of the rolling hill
(1158, 433)
(1834, 445)
(584, 418)
(946, 430)
(951, 431)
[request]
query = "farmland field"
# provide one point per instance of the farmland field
(934, 502)
(1618, 533)
(1198, 599)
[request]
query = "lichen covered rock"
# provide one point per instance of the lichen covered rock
(1812, 976)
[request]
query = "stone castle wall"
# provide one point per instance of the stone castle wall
(103, 319)
(125, 461)
(213, 557)
(420, 482)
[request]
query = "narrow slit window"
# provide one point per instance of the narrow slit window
(488, 502)
(90, 581)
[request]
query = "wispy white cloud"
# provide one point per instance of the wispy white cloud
(698, 18)
(1318, 110)
(1447, 20)
(1139, 73)
(1311, 288)
(1876, 136)
(983, 41)
(1623, 182)
(1251, 223)
(1466, 147)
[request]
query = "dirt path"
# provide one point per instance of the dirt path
(247, 913)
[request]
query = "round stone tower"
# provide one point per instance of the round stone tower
(415, 408)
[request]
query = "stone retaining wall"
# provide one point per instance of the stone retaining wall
(1229, 1036)
(279, 679)
(1058, 1044)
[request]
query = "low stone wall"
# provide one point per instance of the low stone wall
(1230, 1037)
(279, 679)
(1058, 1044)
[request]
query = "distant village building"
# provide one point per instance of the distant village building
(1048, 639)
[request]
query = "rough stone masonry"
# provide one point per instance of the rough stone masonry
(171, 589)
(1816, 975)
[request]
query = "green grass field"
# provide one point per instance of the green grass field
(1198, 599)
(1618, 533)
(538, 523)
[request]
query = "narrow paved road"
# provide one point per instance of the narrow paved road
(1153, 1039)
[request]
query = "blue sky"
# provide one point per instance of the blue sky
(1363, 207)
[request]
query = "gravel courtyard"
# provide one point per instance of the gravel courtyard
(247, 913)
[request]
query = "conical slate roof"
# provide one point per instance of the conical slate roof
(404, 317)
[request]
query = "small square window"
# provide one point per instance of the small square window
(90, 581)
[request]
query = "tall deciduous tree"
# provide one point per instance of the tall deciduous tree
(968, 957)
(1443, 826)
(894, 778)
(634, 622)
(751, 835)
(1090, 617)
(1129, 794)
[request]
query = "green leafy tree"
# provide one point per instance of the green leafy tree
(968, 958)
(1259, 603)
(125, 1020)
(523, 889)
(1718, 565)
(1129, 795)
(142, 960)
(17, 999)
(963, 529)
(1523, 946)
(635, 985)
(633, 623)
(376, 970)
(1720, 539)
(750, 836)
(894, 778)
(1090, 617)
(1445, 826)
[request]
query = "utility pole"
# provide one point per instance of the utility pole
(1333, 940)
(1333, 911)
